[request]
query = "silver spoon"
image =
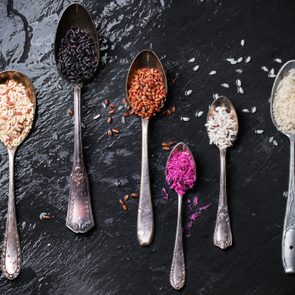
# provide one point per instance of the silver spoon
(11, 255)
(288, 240)
(79, 215)
(145, 223)
(177, 272)
(222, 237)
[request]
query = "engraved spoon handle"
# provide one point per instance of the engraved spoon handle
(222, 234)
(145, 220)
(79, 214)
(288, 241)
(11, 255)
(177, 273)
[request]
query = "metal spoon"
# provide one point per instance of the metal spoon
(145, 223)
(177, 272)
(222, 237)
(11, 255)
(79, 214)
(288, 240)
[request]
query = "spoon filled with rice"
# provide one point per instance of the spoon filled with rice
(282, 109)
(222, 127)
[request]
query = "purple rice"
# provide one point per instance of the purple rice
(76, 56)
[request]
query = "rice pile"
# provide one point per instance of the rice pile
(16, 113)
(284, 104)
(181, 172)
(221, 128)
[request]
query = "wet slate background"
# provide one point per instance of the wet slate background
(108, 260)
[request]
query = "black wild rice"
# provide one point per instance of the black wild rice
(76, 56)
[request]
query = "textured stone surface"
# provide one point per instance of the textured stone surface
(108, 260)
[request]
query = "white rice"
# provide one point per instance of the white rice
(188, 92)
(196, 68)
(278, 60)
(248, 59)
(225, 85)
(284, 104)
(264, 68)
(215, 95)
(185, 119)
(221, 128)
(245, 111)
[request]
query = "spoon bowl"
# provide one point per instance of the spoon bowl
(223, 101)
(283, 72)
(21, 78)
(288, 237)
(11, 254)
(147, 58)
(181, 147)
(75, 15)
(145, 223)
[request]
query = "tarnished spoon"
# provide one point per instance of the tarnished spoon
(288, 240)
(79, 215)
(177, 272)
(222, 237)
(11, 255)
(145, 223)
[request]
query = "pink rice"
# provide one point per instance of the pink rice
(181, 172)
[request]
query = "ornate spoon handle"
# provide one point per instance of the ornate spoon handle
(79, 214)
(177, 273)
(288, 241)
(11, 255)
(222, 234)
(145, 219)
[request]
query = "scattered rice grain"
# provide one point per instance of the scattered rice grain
(96, 117)
(185, 119)
(231, 61)
(188, 92)
(196, 68)
(241, 90)
(200, 114)
(225, 85)
(248, 59)
(215, 95)
(264, 68)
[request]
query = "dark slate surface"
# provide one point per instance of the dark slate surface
(108, 260)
